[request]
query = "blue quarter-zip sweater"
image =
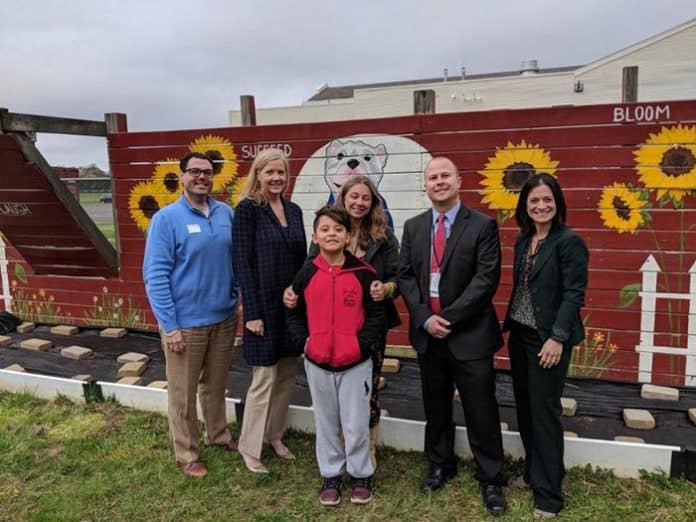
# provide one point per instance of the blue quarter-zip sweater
(187, 268)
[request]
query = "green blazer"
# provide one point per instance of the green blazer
(557, 283)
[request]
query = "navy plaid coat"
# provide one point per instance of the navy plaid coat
(266, 256)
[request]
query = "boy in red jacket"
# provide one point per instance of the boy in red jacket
(338, 324)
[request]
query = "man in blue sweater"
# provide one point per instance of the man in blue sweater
(192, 292)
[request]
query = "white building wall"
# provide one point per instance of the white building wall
(471, 95)
(333, 110)
(666, 71)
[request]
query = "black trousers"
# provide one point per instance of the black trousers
(538, 399)
(475, 380)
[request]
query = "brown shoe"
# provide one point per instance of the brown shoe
(194, 469)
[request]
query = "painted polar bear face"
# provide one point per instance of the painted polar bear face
(345, 159)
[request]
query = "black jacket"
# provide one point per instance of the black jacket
(469, 277)
(557, 283)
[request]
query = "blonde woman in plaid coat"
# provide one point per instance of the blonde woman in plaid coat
(269, 248)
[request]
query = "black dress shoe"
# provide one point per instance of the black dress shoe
(493, 498)
(436, 478)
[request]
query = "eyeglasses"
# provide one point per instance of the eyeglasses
(198, 172)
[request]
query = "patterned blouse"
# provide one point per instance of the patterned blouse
(522, 310)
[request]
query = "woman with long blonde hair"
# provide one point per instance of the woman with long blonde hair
(268, 248)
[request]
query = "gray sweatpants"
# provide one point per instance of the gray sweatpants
(342, 400)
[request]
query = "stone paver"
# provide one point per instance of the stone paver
(162, 385)
(638, 419)
(570, 434)
(402, 352)
(82, 377)
(76, 352)
(15, 368)
(628, 438)
(39, 345)
(5, 340)
(132, 369)
(132, 357)
(64, 329)
(382, 382)
(25, 327)
(662, 393)
(569, 406)
(391, 365)
(113, 332)
(692, 415)
(131, 380)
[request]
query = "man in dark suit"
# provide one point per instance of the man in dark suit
(449, 269)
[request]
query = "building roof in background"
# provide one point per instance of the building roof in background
(347, 91)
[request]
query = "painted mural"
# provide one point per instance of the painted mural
(164, 186)
(393, 163)
(628, 173)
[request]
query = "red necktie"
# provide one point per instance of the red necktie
(439, 240)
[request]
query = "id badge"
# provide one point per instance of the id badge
(435, 284)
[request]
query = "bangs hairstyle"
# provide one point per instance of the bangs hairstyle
(522, 216)
(338, 215)
(252, 187)
(373, 227)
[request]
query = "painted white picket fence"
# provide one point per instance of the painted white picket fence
(646, 348)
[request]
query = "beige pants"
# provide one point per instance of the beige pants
(266, 405)
(202, 367)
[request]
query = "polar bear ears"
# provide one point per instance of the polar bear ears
(333, 148)
(381, 151)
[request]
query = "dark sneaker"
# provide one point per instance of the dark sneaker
(362, 491)
(330, 493)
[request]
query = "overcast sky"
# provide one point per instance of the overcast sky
(183, 64)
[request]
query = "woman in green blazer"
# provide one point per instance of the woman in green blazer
(543, 317)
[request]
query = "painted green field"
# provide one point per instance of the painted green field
(59, 461)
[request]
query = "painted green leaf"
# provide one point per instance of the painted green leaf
(20, 273)
(628, 295)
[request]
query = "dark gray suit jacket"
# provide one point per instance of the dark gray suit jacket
(469, 277)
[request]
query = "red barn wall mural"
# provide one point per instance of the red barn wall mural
(628, 172)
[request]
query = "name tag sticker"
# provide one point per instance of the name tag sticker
(435, 284)
(195, 228)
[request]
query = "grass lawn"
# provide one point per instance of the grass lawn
(109, 231)
(59, 461)
(90, 197)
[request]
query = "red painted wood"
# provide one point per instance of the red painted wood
(684, 111)
(552, 137)
(271, 133)
(592, 152)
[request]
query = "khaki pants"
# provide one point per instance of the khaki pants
(266, 405)
(202, 367)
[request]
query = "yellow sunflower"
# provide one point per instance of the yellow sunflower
(667, 163)
(235, 191)
(623, 207)
(144, 200)
(508, 170)
(166, 178)
(224, 158)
